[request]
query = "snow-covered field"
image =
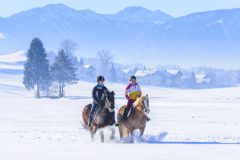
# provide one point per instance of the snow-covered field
(185, 125)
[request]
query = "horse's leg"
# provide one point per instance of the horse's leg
(141, 133)
(142, 130)
(131, 136)
(102, 136)
(93, 132)
(113, 133)
(92, 136)
(120, 129)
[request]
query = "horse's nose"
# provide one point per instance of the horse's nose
(147, 110)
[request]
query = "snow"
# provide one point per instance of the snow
(126, 70)
(15, 67)
(142, 73)
(13, 61)
(185, 124)
(220, 21)
(2, 36)
(13, 57)
(88, 66)
(201, 77)
(173, 71)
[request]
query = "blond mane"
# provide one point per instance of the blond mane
(138, 103)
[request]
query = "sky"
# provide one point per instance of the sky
(175, 8)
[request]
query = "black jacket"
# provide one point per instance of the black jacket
(97, 93)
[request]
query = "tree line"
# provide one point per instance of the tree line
(39, 75)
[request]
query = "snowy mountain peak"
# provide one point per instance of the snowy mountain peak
(57, 5)
(51, 9)
(143, 14)
(58, 8)
(135, 9)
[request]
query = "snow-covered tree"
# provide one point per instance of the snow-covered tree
(238, 77)
(81, 62)
(193, 81)
(63, 71)
(36, 68)
(113, 73)
(213, 79)
(75, 61)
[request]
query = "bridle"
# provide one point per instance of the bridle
(144, 105)
(108, 105)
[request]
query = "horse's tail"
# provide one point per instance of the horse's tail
(120, 114)
(83, 125)
(85, 115)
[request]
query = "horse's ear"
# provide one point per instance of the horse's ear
(113, 93)
(146, 95)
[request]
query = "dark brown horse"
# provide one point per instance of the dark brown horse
(104, 116)
(137, 118)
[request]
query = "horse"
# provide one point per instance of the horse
(104, 116)
(137, 117)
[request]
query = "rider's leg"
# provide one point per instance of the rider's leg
(125, 114)
(91, 114)
(127, 109)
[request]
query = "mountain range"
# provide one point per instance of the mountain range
(132, 35)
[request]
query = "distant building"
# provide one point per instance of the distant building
(87, 72)
(202, 78)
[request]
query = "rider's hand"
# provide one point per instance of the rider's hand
(128, 98)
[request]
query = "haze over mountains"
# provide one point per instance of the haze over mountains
(133, 35)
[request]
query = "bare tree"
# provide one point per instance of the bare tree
(105, 58)
(69, 47)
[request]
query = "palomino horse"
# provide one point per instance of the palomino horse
(104, 115)
(137, 118)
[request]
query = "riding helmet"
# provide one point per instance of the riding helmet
(132, 77)
(100, 78)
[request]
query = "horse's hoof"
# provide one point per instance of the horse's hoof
(89, 128)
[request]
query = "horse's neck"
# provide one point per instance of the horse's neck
(138, 107)
(134, 111)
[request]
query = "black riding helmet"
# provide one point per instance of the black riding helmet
(132, 77)
(100, 78)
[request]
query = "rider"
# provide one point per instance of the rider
(132, 92)
(97, 93)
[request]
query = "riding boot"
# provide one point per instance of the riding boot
(125, 114)
(90, 122)
(91, 115)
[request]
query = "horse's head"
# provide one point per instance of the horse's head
(143, 103)
(110, 100)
